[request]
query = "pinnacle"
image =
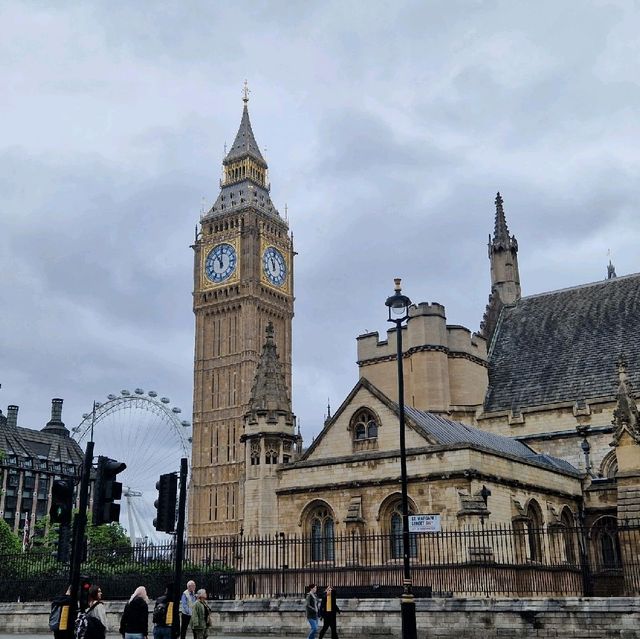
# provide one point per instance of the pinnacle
(269, 392)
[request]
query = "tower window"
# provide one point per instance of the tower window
(255, 454)
(364, 425)
(271, 454)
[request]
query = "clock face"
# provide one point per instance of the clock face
(274, 266)
(220, 263)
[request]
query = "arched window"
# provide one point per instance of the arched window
(255, 454)
(606, 544)
(322, 533)
(271, 453)
(569, 536)
(364, 425)
(609, 466)
(393, 525)
(534, 530)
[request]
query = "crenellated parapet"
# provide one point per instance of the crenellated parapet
(445, 365)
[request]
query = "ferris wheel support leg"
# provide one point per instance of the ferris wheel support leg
(132, 531)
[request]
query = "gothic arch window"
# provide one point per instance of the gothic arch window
(271, 453)
(364, 425)
(605, 544)
(255, 454)
(609, 465)
(391, 517)
(321, 532)
(569, 536)
(534, 530)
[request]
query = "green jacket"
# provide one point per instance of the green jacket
(200, 616)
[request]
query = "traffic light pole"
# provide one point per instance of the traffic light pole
(79, 527)
(182, 504)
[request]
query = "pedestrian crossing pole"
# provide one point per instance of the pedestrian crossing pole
(182, 505)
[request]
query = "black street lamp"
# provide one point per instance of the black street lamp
(398, 305)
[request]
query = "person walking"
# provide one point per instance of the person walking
(161, 627)
(311, 609)
(134, 623)
(200, 620)
(328, 611)
(97, 610)
(187, 602)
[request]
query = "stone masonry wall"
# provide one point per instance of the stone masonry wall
(562, 618)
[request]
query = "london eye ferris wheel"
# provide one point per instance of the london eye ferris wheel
(146, 432)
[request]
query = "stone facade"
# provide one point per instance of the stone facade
(243, 280)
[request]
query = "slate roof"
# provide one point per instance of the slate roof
(245, 143)
(563, 346)
(39, 444)
(446, 431)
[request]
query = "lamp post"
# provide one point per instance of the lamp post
(398, 305)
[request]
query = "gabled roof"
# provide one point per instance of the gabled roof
(441, 431)
(563, 346)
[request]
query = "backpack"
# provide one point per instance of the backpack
(59, 615)
(54, 616)
(89, 627)
(160, 613)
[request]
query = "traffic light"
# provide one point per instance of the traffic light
(166, 503)
(107, 491)
(61, 501)
(83, 595)
(63, 552)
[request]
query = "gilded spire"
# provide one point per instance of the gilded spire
(245, 144)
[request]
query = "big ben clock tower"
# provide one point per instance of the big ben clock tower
(243, 279)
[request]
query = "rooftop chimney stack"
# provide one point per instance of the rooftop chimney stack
(12, 416)
(55, 424)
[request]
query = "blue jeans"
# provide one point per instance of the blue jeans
(133, 635)
(162, 632)
(314, 628)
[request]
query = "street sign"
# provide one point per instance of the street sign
(424, 523)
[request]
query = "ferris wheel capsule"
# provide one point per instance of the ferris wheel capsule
(185, 423)
(165, 400)
(176, 410)
(111, 396)
(139, 391)
(86, 415)
(152, 394)
(126, 393)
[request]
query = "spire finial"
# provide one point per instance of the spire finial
(501, 230)
(269, 330)
(245, 92)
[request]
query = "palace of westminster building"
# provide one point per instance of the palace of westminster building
(538, 406)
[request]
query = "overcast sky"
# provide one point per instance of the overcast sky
(389, 127)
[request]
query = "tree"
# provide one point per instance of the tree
(9, 542)
(112, 536)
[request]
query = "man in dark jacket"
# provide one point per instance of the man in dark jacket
(328, 611)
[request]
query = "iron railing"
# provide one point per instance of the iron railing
(510, 561)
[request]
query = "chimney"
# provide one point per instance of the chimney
(55, 425)
(56, 410)
(12, 416)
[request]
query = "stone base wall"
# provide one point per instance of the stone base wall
(571, 618)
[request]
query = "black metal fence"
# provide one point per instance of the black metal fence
(504, 560)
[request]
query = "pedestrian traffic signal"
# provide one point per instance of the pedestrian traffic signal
(107, 491)
(61, 502)
(166, 503)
